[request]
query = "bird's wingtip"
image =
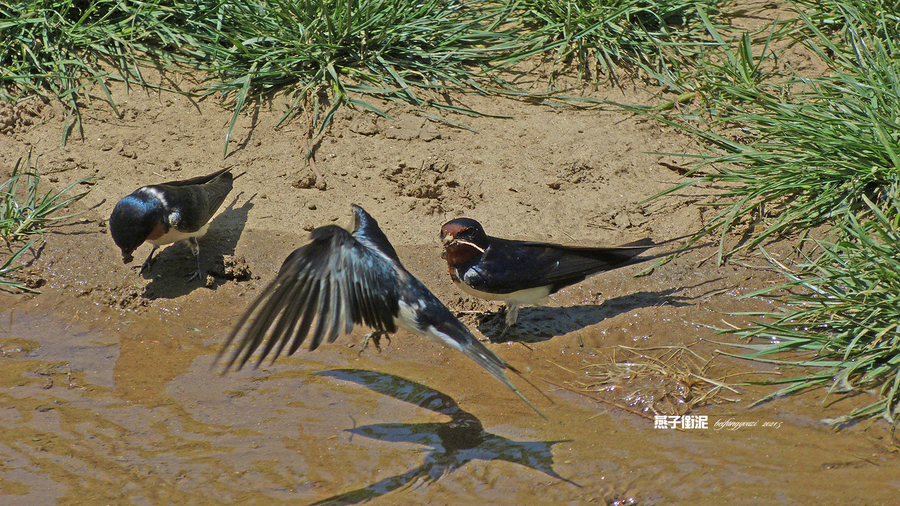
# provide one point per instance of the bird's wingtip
(361, 217)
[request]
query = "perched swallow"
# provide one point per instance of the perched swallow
(524, 272)
(170, 212)
(344, 278)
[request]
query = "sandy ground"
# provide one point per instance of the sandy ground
(539, 172)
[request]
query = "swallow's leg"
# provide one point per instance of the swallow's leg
(195, 249)
(512, 314)
(376, 339)
(149, 261)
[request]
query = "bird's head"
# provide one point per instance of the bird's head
(135, 219)
(463, 239)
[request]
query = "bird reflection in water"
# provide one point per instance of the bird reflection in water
(453, 443)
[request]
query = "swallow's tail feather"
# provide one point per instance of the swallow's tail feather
(495, 365)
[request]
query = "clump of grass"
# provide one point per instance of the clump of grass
(58, 48)
(24, 212)
(328, 51)
(797, 153)
(837, 16)
(612, 34)
(330, 54)
(322, 51)
(845, 309)
(663, 381)
(18, 219)
(326, 54)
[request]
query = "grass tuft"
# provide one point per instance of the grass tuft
(794, 152)
(599, 37)
(59, 48)
(24, 212)
(847, 314)
(328, 54)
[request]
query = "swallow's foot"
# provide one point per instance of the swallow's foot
(149, 261)
(198, 274)
(502, 319)
(375, 337)
(195, 249)
(512, 314)
(498, 318)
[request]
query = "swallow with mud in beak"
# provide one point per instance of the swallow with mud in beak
(524, 272)
(341, 279)
(167, 213)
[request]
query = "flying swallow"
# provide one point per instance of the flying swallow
(170, 212)
(524, 272)
(345, 278)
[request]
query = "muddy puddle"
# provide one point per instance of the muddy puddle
(102, 406)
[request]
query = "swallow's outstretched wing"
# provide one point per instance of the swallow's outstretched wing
(341, 279)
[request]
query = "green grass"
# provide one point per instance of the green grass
(600, 38)
(326, 54)
(882, 16)
(845, 312)
(60, 48)
(794, 152)
(25, 212)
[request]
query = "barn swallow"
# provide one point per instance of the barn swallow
(524, 272)
(170, 212)
(344, 278)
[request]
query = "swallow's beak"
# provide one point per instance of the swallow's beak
(446, 241)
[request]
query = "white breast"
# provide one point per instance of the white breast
(174, 236)
(521, 297)
(405, 321)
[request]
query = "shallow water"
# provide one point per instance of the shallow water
(107, 407)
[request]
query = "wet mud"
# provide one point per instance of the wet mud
(105, 406)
